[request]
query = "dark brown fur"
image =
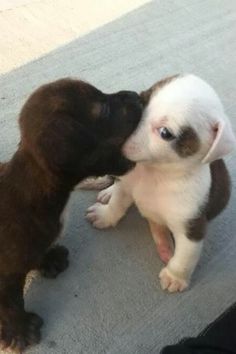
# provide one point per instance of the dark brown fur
(187, 143)
(63, 140)
(220, 189)
(217, 201)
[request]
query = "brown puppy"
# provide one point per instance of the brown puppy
(69, 131)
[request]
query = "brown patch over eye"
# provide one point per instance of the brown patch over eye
(146, 95)
(187, 143)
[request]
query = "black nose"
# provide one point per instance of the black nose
(129, 95)
(131, 98)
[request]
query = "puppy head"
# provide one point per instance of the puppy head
(75, 129)
(183, 122)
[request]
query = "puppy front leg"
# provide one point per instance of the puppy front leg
(176, 275)
(19, 329)
(106, 215)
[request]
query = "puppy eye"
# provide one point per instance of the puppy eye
(166, 134)
(105, 111)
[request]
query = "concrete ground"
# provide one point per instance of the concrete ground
(32, 28)
(110, 300)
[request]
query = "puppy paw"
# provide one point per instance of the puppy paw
(100, 216)
(54, 262)
(171, 282)
(18, 333)
(105, 195)
(95, 183)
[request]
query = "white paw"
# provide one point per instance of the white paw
(99, 215)
(105, 195)
(169, 281)
(95, 183)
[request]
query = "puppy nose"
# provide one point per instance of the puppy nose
(130, 95)
(131, 98)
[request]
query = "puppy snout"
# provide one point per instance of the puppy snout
(130, 96)
(133, 104)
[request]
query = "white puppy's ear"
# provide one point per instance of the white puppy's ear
(224, 142)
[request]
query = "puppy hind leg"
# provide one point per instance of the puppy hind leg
(54, 262)
(19, 329)
(176, 275)
(163, 240)
(106, 215)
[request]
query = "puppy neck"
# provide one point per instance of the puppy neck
(173, 170)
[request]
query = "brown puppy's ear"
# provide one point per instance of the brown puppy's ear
(224, 142)
(59, 144)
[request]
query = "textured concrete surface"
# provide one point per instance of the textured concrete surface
(109, 300)
(31, 28)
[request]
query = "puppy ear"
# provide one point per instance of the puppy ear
(224, 142)
(145, 96)
(62, 142)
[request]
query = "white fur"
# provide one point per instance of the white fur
(168, 189)
(185, 101)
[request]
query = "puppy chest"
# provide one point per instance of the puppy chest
(166, 203)
(151, 202)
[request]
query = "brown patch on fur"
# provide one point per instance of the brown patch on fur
(196, 228)
(218, 199)
(220, 189)
(187, 143)
(146, 95)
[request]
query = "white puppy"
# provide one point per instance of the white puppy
(179, 181)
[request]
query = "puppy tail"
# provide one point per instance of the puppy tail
(220, 189)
